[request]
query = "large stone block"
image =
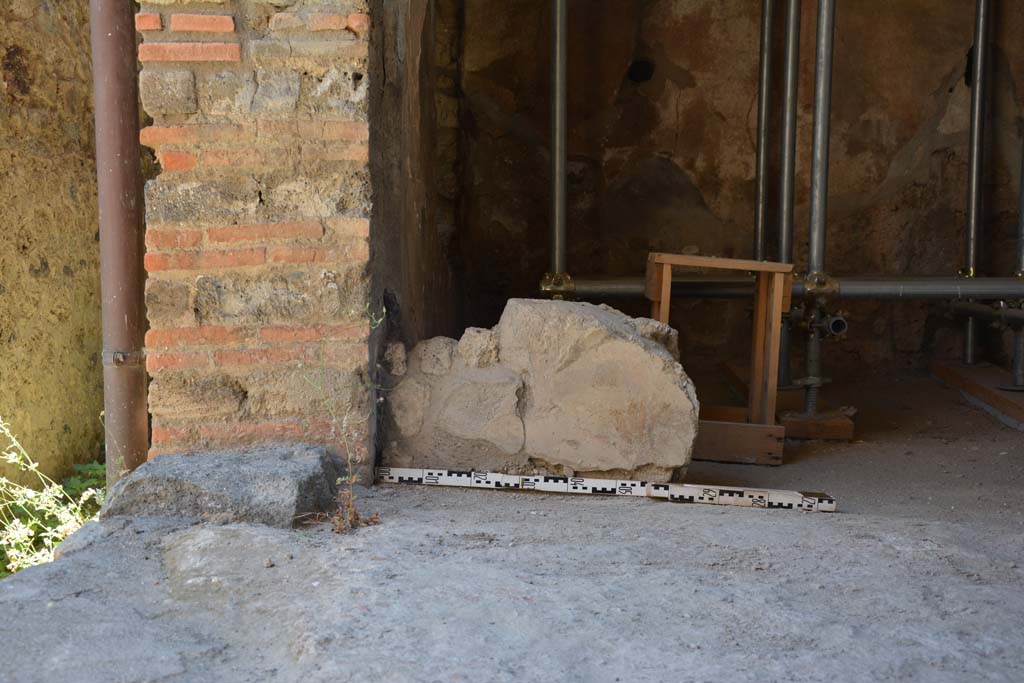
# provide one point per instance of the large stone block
(188, 396)
(168, 303)
(605, 391)
(479, 347)
(193, 201)
(321, 193)
(277, 486)
(278, 91)
(168, 92)
(227, 93)
(279, 297)
(312, 389)
(558, 387)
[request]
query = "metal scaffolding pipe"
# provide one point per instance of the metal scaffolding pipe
(1018, 357)
(819, 188)
(854, 287)
(559, 134)
(928, 288)
(1020, 222)
(119, 180)
(787, 171)
(763, 115)
(979, 72)
(1018, 335)
(820, 144)
(684, 286)
(1008, 316)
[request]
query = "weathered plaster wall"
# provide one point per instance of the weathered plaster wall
(668, 161)
(50, 371)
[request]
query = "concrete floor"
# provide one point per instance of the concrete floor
(920, 577)
(921, 451)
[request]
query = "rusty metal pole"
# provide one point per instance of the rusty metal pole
(119, 184)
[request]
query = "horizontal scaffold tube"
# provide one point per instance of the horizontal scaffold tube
(852, 287)
(1010, 316)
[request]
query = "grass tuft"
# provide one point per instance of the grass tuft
(34, 521)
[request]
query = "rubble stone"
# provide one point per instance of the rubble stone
(278, 91)
(168, 92)
(478, 347)
(434, 356)
(273, 485)
(556, 386)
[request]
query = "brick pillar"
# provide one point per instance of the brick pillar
(257, 227)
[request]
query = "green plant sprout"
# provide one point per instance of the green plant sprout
(34, 522)
(347, 516)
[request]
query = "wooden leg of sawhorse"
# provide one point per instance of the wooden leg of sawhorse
(755, 398)
(773, 340)
(764, 361)
(660, 307)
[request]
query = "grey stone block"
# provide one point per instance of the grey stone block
(557, 386)
(168, 92)
(278, 91)
(190, 202)
(277, 486)
(227, 92)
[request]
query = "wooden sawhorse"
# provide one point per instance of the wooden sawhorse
(727, 434)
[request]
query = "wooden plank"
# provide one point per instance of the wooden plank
(717, 263)
(829, 426)
(787, 297)
(771, 347)
(723, 413)
(665, 301)
(739, 443)
(652, 279)
(652, 286)
(755, 392)
(982, 382)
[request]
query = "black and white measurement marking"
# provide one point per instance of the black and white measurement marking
(676, 493)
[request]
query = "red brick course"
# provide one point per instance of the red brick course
(157, 238)
(353, 331)
(166, 435)
(191, 260)
(148, 21)
(161, 136)
(190, 52)
(286, 354)
(249, 431)
(176, 161)
(295, 255)
(203, 23)
(193, 336)
(263, 232)
(157, 362)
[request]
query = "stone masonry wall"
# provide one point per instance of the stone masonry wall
(257, 228)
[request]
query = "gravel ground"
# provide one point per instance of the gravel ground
(920, 577)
